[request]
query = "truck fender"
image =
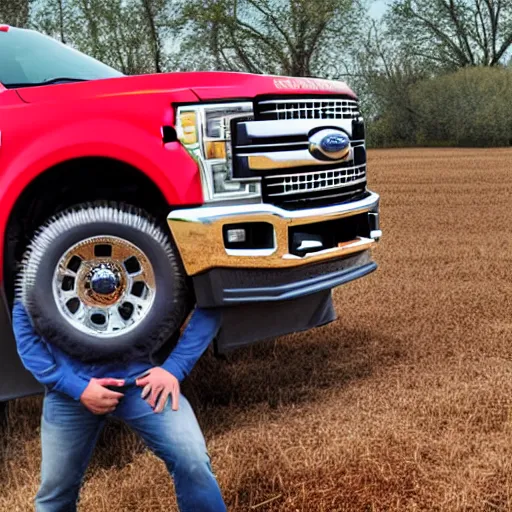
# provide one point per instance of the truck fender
(140, 149)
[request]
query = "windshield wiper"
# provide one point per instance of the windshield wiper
(46, 82)
(63, 79)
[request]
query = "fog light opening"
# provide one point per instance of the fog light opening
(236, 236)
(249, 235)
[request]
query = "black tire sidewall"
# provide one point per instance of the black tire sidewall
(163, 316)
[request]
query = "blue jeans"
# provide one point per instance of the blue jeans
(69, 433)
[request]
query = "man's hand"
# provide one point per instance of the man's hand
(159, 382)
(100, 400)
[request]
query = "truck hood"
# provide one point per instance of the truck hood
(240, 85)
(208, 85)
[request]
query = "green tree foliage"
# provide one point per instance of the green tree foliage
(470, 107)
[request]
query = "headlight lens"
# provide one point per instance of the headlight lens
(215, 150)
(189, 127)
(205, 131)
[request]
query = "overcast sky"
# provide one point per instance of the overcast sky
(378, 8)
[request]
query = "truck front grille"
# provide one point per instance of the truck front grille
(293, 184)
(282, 109)
(274, 146)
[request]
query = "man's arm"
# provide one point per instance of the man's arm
(200, 331)
(161, 381)
(39, 361)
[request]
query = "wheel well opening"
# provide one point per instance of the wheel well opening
(67, 184)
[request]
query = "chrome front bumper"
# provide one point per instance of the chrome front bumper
(198, 233)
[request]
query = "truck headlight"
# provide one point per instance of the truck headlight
(205, 131)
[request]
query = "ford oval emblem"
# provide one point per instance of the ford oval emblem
(329, 145)
(334, 143)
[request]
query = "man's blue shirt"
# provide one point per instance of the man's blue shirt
(55, 369)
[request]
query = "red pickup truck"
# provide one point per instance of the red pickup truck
(125, 199)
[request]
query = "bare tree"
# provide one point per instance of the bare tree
(385, 76)
(61, 20)
(291, 37)
(150, 8)
(15, 12)
(455, 33)
(127, 34)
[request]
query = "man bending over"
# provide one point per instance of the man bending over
(80, 396)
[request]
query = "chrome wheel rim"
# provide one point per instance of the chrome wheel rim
(104, 286)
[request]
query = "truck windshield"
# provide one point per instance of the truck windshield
(28, 58)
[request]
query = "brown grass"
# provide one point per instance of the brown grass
(405, 403)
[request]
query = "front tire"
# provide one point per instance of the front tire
(104, 282)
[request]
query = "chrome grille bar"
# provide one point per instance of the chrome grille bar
(308, 109)
(291, 184)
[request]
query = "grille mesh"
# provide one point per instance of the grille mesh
(308, 109)
(293, 184)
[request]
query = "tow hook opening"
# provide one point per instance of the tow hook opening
(310, 238)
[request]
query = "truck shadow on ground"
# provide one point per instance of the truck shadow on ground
(276, 374)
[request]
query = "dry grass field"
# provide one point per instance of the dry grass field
(404, 403)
